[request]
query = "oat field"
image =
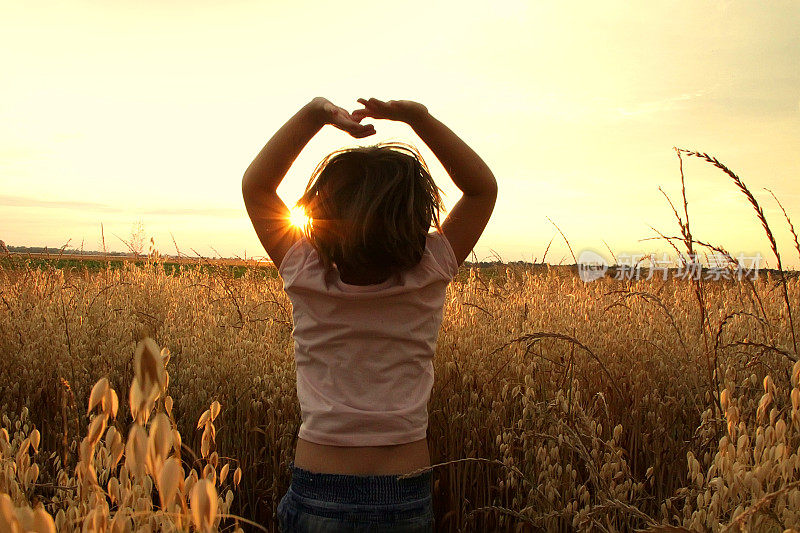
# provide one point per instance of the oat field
(558, 404)
(134, 400)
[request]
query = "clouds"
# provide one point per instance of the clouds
(95, 207)
(27, 201)
(664, 105)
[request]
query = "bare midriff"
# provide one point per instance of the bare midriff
(362, 460)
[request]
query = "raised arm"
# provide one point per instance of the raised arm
(268, 213)
(468, 218)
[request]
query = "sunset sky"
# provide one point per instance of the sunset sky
(118, 111)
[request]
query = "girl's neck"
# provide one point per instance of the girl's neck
(352, 277)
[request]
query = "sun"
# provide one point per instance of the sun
(298, 217)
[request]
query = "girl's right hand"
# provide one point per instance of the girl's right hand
(338, 117)
(399, 110)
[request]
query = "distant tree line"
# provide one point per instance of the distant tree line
(56, 251)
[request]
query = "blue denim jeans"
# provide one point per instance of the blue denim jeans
(338, 502)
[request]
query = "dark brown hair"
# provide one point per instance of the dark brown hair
(371, 208)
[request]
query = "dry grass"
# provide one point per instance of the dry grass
(558, 405)
(115, 479)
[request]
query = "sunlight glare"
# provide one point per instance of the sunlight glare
(298, 217)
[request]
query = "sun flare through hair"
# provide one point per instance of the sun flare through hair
(372, 208)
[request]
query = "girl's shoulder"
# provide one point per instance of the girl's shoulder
(438, 261)
(440, 253)
(296, 258)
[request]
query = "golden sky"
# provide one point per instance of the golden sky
(118, 111)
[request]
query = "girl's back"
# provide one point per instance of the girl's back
(364, 348)
(365, 353)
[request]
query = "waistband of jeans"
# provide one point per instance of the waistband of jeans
(355, 489)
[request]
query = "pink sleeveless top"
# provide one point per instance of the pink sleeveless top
(364, 354)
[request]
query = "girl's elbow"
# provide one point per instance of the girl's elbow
(492, 187)
(249, 185)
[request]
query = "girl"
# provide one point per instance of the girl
(367, 284)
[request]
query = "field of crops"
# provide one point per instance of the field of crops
(558, 404)
(158, 395)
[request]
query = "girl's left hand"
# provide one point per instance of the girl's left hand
(340, 118)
